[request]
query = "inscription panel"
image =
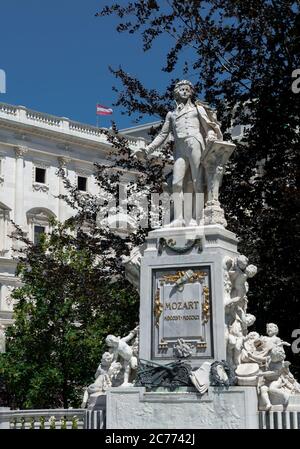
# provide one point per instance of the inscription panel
(181, 313)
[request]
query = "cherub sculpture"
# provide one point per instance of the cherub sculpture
(275, 381)
(258, 349)
(239, 271)
(272, 337)
(106, 373)
(271, 388)
(237, 319)
(124, 353)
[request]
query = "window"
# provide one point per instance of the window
(38, 230)
(40, 175)
(82, 183)
(38, 219)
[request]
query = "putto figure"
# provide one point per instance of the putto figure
(192, 126)
(107, 372)
(123, 353)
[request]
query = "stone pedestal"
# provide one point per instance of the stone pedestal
(134, 408)
(182, 294)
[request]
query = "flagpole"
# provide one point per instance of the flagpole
(97, 119)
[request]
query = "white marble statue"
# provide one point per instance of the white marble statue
(257, 348)
(272, 337)
(275, 381)
(290, 384)
(198, 161)
(258, 360)
(124, 353)
(239, 271)
(271, 387)
(106, 373)
(251, 352)
(116, 368)
(237, 320)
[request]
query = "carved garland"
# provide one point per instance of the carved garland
(158, 307)
(171, 244)
(206, 305)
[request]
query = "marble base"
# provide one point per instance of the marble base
(97, 402)
(134, 408)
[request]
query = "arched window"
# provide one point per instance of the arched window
(4, 228)
(38, 222)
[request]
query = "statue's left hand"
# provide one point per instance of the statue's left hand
(137, 153)
(211, 136)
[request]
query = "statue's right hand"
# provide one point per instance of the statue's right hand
(136, 152)
(148, 150)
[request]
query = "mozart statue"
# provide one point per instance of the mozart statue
(196, 178)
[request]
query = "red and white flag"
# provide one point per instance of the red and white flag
(103, 110)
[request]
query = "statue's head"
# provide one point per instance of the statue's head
(272, 329)
(114, 369)
(250, 319)
(242, 262)
(183, 87)
(112, 341)
(277, 354)
(106, 358)
(251, 270)
(252, 336)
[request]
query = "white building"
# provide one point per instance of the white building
(33, 146)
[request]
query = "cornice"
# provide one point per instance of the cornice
(10, 280)
(56, 136)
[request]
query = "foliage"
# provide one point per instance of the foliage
(66, 306)
(73, 289)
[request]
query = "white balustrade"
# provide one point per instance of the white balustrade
(43, 419)
(61, 124)
(7, 109)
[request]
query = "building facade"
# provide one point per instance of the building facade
(33, 146)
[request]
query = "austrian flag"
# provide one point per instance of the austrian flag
(103, 110)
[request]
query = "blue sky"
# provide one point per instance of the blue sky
(56, 55)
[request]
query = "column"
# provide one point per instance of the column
(4, 217)
(62, 205)
(19, 186)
